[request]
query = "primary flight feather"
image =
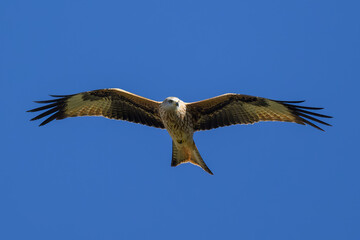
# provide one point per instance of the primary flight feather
(180, 119)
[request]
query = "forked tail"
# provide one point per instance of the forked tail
(191, 155)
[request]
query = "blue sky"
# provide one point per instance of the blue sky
(94, 178)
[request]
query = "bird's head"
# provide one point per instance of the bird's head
(171, 103)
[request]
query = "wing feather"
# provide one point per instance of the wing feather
(229, 109)
(110, 103)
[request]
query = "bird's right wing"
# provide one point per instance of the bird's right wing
(110, 103)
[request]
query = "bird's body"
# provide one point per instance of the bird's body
(177, 121)
(180, 119)
(179, 124)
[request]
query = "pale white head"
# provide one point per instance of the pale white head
(171, 103)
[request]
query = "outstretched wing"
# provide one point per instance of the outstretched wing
(229, 109)
(110, 103)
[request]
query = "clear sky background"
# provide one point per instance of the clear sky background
(95, 178)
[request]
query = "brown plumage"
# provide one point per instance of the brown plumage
(230, 109)
(180, 119)
(109, 103)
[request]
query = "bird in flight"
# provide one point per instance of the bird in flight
(180, 119)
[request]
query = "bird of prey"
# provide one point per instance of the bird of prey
(180, 119)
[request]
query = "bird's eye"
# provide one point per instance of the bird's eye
(170, 101)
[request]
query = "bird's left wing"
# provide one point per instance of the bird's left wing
(229, 109)
(110, 103)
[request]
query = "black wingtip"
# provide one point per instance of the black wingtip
(284, 102)
(305, 115)
(54, 109)
(47, 101)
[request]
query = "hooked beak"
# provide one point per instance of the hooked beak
(177, 104)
